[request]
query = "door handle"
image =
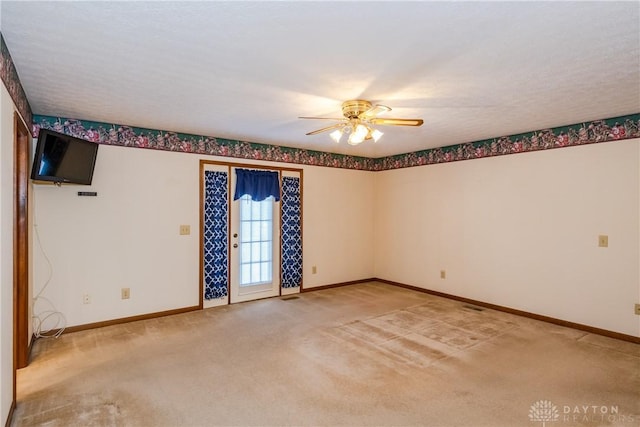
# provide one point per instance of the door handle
(235, 245)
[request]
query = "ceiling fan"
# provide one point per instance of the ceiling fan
(359, 116)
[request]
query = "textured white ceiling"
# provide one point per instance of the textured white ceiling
(247, 70)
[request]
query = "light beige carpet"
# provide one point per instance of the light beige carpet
(369, 354)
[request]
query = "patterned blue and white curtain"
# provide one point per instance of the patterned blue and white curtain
(291, 233)
(216, 251)
(216, 229)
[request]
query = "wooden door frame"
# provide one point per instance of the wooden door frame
(22, 139)
(230, 165)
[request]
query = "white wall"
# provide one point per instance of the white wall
(338, 225)
(520, 231)
(128, 235)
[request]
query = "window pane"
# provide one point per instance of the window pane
(245, 253)
(265, 251)
(265, 230)
(255, 230)
(245, 274)
(245, 231)
(245, 208)
(255, 252)
(265, 271)
(267, 208)
(255, 210)
(255, 272)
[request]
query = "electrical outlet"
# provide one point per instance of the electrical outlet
(603, 241)
(314, 269)
(443, 274)
(86, 299)
(126, 293)
(185, 230)
(638, 309)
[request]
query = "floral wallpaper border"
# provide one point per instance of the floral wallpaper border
(604, 130)
(9, 76)
(128, 136)
(613, 129)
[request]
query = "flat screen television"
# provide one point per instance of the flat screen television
(63, 159)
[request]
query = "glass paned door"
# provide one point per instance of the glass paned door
(255, 249)
(256, 241)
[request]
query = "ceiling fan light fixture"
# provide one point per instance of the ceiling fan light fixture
(359, 117)
(353, 140)
(376, 135)
(358, 135)
(336, 135)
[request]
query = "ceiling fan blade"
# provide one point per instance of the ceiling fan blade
(323, 118)
(336, 126)
(374, 111)
(397, 122)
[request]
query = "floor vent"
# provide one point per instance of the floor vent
(289, 298)
(473, 307)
